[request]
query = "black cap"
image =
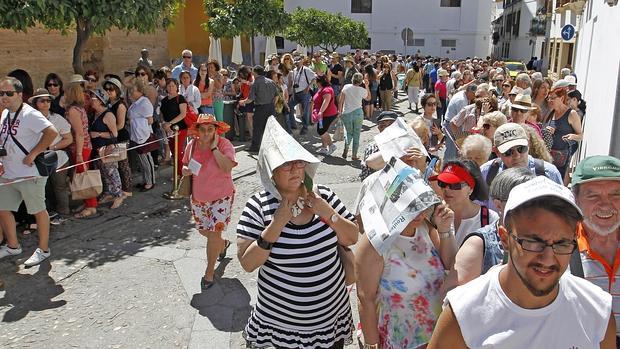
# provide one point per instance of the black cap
(387, 115)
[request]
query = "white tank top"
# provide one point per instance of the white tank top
(577, 318)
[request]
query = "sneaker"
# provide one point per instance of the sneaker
(322, 151)
(332, 148)
(6, 251)
(58, 220)
(37, 257)
(53, 214)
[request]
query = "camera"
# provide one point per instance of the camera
(2, 152)
(295, 86)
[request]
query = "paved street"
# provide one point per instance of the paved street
(130, 278)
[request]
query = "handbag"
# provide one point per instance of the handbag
(185, 184)
(113, 152)
(151, 144)
(190, 115)
(560, 157)
(347, 257)
(339, 134)
(86, 185)
(46, 162)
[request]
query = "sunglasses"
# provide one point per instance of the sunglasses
(506, 85)
(486, 126)
(7, 93)
(44, 100)
(189, 57)
(91, 79)
(141, 73)
(51, 84)
(517, 110)
(500, 80)
(455, 186)
(520, 149)
(109, 88)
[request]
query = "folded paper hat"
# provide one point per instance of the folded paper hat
(395, 139)
(278, 148)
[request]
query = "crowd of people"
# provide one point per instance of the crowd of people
(491, 223)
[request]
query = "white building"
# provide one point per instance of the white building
(597, 65)
(518, 30)
(562, 52)
(447, 28)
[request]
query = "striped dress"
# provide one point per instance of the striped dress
(302, 298)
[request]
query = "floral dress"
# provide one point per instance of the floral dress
(409, 296)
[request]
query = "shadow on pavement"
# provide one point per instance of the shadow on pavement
(30, 292)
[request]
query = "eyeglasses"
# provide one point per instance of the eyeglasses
(109, 88)
(486, 126)
(189, 57)
(455, 186)
(51, 84)
(7, 93)
(287, 166)
(44, 100)
(538, 246)
(141, 73)
(520, 149)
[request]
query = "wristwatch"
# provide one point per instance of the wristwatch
(334, 218)
(264, 244)
(371, 346)
(448, 234)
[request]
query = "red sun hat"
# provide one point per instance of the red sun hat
(208, 119)
(454, 174)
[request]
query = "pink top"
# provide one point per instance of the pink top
(331, 110)
(211, 183)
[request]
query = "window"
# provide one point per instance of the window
(450, 3)
(361, 6)
(279, 43)
(418, 42)
(448, 43)
(515, 26)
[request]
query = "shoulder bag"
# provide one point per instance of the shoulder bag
(185, 184)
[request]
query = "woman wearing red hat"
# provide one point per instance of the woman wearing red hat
(461, 184)
(209, 159)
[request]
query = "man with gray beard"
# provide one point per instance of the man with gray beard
(596, 186)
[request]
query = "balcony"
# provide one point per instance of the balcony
(575, 6)
(538, 26)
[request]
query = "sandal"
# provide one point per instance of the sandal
(118, 202)
(107, 198)
(206, 284)
(30, 228)
(85, 213)
(223, 253)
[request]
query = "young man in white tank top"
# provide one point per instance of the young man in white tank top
(530, 302)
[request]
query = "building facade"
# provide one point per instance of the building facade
(519, 31)
(446, 28)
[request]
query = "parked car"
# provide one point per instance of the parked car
(515, 68)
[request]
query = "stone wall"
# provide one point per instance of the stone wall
(41, 51)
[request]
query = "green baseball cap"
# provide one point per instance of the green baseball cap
(596, 168)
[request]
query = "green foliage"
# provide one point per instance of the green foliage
(311, 27)
(100, 15)
(245, 17)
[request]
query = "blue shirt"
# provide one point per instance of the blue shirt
(433, 75)
(176, 71)
(493, 251)
(551, 172)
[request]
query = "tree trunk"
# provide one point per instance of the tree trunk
(82, 34)
(252, 49)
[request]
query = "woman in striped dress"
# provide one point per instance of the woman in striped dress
(292, 237)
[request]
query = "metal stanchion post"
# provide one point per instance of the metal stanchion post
(174, 193)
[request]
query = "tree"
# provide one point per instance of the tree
(87, 17)
(311, 27)
(228, 19)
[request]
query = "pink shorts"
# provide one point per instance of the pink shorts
(214, 215)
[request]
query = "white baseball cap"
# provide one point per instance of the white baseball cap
(537, 188)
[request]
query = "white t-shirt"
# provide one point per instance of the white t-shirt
(192, 96)
(138, 114)
(353, 96)
(26, 128)
(303, 77)
(577, 318)
(472, 224)
(63, 127)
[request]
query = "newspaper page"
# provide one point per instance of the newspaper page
(396, 139)
(391, 200)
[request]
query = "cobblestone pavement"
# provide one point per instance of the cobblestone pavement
(130, 277)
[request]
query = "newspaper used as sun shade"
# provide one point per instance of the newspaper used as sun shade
(390, 200)
(395, 139)
(277, 148)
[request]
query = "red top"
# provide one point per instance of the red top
(440, 87)
(331, 110)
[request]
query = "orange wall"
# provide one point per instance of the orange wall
(187, 32)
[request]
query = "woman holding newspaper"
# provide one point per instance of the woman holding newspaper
(402, 258)
(209, 159)
(291, 232)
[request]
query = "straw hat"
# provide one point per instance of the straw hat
(335, 55)
(349, 59)
(76, 78)
(209, 119)
(523, 102)
(40, 92)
